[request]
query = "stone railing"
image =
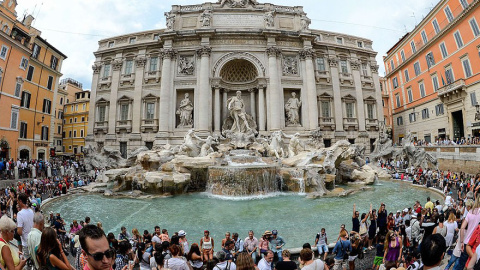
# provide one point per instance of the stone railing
(458, 84)
(101, 127)
(149, 125)
(124, 125)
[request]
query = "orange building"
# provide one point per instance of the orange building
(432, 75)
(387, 112)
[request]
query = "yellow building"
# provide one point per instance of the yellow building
(76, 124)
(66, 94)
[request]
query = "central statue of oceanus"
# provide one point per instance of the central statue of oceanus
(238, 120)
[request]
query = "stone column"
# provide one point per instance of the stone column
(97, 67)
(337, 98)
(261, 109)
(165, 93)
(311, 89)
(204, 90)
(275, 104)
(140, 62)
(378, 91)
(117, 70)
(217, 109)
(252, 104)
(224, 102)
(355, 65)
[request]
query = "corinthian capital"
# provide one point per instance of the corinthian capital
(117, 64)
(333, 61)
(273, 51)
(355, 64)
(374, 68)
(307, 53)
(168, 53)
(96, 67)
(140, 61)
(204, 51)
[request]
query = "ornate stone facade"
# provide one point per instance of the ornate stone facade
(162, 83)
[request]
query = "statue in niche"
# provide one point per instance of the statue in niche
(292, 108)
(305, 22)
(236, 107)
(185, 110)
(206, 17)
(268, 17)
(185, 66)
(170, 20)
(290, 66)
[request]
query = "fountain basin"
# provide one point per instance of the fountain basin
(244, 180)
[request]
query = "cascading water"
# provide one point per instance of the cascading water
(299, 176)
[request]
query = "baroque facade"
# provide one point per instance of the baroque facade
(151, 87)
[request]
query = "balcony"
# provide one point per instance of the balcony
(451, 89)
(350, 123)
(152, 75)
(371, 124)
(123, 125)
(327, 122)
(107, 81)
(322, 76)
(367, 81)
(130, 78)
(346, 78)
(101, 127)
(149, 125)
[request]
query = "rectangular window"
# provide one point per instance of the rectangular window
(412, 118)
(47, 106)
(106, 70)
(53, 62)
(84, 106)
(45, 133)
(458, 39)
(464, 3)
(364, 69)
(75, 119)
(399, 121)
(417, 69)
(23, 130)
(370, 111)
(25, 99)
(435, 83)
(397, 98)
(320, 64)
(18, 89)
(156, 37)
(407, 77)
(31, 69)
(150, 112)
(425, 114)
(14, 119)
(349, 110)
(473, 98)
(83, 118)
(4, 52)
(128, 67)
(449, 75)
(36, 51)
(124, 112)
(412, 45)
(474, 25)
(101, 113)
(154, 64)
(430, 59)
(392, 65)
(111, 44)
(449, 14)
(421, 86)
(325, 109)
(70, 134)
(402, 55)
(395, 83)
(466, 68)
(132, 40)
(439, 109)
(123, 149)
(424, 37)
(339, 40)
(410, 95)
(74, 133)
(443, 49)
(343, 65)
(81, 133)
(24, 63)
(59, 129)
(50, 83)
(70, 120)
(436, 26)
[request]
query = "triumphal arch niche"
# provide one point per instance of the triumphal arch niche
(233, 66)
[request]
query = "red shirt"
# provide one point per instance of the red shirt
(474, 240)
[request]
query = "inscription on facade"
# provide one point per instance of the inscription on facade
(238, 21)
(238, 42)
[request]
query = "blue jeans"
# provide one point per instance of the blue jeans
(452, 260)
(462, 260)
(254, 257)
(279, 254)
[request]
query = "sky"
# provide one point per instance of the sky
(75, 26)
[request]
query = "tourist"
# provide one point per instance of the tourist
(364, 226)
(239, 245)
(183, 241)
(469, 224)
(156, 236)
(286, 263)
(123, 235)
(372, 229)
(251, 245)
(10, 259)
(390, 222)
(452, 228)
(24, 222)
(245, 262)
(123, 255)
(355, 221)
(224, 264)
(307, 259)
(276, 244)
(393, 249)
(228, 248)
(194, 257)
(227, 237)
(157, 248)
(164, 236)
(267, 261)
(33, 238)
(441, 228)
(264, 243)
(432, 251)
(177, 262)
(143, 257)
(96, 249)
(159, 261)
(49, 253)
(379, 251)
(321, 242)
(136, 238)
(356, 243)
(341, 250)
(207, 246)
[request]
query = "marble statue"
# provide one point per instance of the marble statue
(305, 22)
(206, 18)
(236, 107)
(185, 110)
(191, 144)
(185, 66)
(206, 148)
(275, 147)
(268, 17)
(170, 20)
(292, 108)
(295, 145)
(290, 66)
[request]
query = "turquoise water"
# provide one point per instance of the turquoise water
(296, 218)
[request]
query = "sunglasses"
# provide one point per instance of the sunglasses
(98, 256)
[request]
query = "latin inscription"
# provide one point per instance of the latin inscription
(237, 21)
(238, 42)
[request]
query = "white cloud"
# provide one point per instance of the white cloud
(75, 27)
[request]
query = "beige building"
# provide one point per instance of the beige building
(75, 124)
(151, 87)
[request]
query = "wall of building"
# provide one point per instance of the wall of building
(76, 124)
(457, 158)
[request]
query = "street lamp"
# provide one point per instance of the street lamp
(43, 118)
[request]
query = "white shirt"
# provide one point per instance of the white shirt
(264, 265)
(25, 221)
(33, 240)
(223, 265)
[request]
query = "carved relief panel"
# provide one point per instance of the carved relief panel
(186, 65)
(290, 65)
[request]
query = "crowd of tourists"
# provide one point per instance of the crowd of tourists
(38, 168)
(445, 141)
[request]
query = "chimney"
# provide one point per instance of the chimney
(28, 20)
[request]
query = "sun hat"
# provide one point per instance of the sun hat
(182, 233)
